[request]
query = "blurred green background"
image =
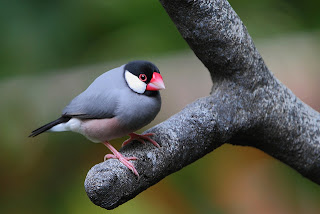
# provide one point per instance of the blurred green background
(52, 50)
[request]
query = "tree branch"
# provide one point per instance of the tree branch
(247, 106)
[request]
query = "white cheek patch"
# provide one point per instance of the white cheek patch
(135, 83)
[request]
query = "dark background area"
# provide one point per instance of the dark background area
(38, 36)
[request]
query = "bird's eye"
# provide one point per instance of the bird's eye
(143, 77)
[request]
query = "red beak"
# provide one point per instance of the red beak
(156, 83)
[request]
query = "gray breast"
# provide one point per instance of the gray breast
(137, 110)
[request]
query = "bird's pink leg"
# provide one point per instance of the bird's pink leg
(141, 138)
(122, 159)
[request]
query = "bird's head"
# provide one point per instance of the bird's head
(142, 76)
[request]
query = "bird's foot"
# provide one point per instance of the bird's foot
(121, 158)
(141, 138)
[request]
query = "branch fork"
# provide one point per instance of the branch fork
(247, 106)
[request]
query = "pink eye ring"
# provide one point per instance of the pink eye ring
(143, 77)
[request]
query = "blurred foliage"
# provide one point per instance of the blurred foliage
(38, 36)
(42, 35)
(270, 17)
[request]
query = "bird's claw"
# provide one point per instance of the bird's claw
(124, 160)
(141, 138)
(111, 156)
(121, 158)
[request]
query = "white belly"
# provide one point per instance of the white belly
(102, 130)
(96, 130)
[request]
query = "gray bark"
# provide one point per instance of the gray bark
(248, 106)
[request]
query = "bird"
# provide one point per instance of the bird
(117, 103)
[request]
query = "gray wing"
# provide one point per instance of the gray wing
(100, 99)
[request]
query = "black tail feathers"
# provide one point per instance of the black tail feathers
(48, 126)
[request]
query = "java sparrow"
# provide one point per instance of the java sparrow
(116, 104)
